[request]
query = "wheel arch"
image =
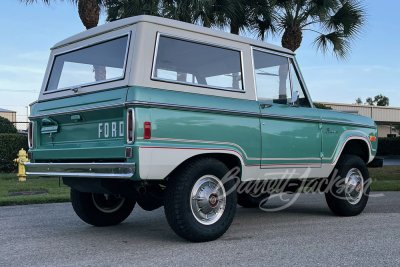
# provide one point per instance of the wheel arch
(357, 146)
(230, 160)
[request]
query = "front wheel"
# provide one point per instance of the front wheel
(101, 209)
(198, 206)
(349, 190)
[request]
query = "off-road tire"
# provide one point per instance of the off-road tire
(85, 208)
(341, 206)
(177, 201)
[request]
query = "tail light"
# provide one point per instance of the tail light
(30, 134)
(147, 130)
(130, 126)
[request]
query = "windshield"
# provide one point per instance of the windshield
(94, 64)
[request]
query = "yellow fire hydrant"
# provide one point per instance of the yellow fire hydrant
(20, 161)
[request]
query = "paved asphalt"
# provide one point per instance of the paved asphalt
(305, 234)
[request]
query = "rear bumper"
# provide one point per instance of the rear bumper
(85, 170)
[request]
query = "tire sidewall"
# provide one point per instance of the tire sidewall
(230, 199)
(337, 201)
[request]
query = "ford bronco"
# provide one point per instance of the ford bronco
(157, 112)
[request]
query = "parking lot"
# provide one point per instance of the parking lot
(304, 234)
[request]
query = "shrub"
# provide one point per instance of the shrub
(6, 126)
(10, 144)
(321, 106)
(388, 146)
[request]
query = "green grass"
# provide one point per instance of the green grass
(386, 178)
(10, 183)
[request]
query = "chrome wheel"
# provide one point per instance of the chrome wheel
(208, 200)
(354, 186)
(107, 203)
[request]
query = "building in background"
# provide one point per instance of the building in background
(8, 114)
(385, 117)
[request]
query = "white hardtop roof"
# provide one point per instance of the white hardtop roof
(115, 25)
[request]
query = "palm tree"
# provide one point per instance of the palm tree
(89, 10)
(89, 13)
(337, 22)
(120, 9)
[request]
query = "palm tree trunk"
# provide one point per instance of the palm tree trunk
(292, 38)
(89, 12)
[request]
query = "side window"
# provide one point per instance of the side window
(185, 61)
(296, 86)
(272, 78)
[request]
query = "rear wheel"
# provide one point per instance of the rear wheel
(101, 209)
(197, 204)
(349, 191)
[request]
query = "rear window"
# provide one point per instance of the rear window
(189, 62)
(97, 63)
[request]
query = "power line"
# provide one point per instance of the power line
(19, 90)
(14, 105)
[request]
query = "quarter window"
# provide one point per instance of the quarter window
(276, 79)
(97, 63)
(185, 61)
(272, 78)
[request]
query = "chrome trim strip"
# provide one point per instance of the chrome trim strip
(133, 126)
(77, 110)
(185, 107)
(93, 170)
(205, 109)
(159, 34)
(237, 112)
(348, 123)
(273, 116)
(85, 46)
(31, 133)
(272, 52)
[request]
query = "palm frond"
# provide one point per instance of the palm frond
(335, 40)
(349, 18)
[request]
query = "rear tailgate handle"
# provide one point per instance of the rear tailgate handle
(49, 126)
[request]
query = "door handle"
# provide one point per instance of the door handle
(265, 106)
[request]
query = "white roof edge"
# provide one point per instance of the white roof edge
(101, 29)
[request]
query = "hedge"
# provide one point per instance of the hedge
(388, 146)
(6, 126)
(10, 144)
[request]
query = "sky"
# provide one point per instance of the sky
(28, 32)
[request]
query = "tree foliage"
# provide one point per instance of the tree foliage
(321, 106)
(359, 101)
(379, 100)
(6, 126)
(337, 23)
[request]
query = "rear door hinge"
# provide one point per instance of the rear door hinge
(321, 155)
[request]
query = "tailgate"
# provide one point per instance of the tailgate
(89, 126)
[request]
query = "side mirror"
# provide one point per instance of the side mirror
(295, 98)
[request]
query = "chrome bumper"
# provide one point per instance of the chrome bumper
(85, 170)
